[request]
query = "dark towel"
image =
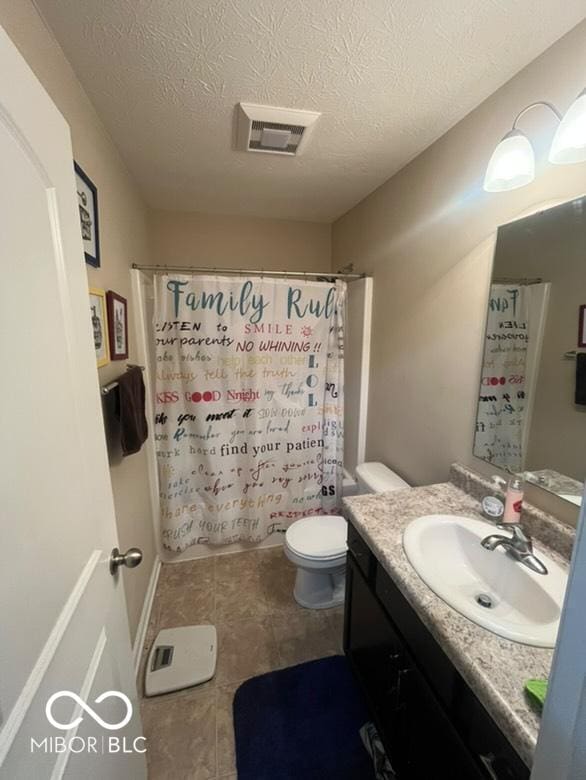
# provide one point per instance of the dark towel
(580, 397)
(133, 425)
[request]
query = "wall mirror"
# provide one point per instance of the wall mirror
(531, 414)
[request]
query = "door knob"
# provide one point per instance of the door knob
(131, 558)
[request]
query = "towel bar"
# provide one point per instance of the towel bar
(111, 385)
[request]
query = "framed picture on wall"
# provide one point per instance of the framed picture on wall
(99, 325)
(87, 201)
(117, 325)
(582, 327)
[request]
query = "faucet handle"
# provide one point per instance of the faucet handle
(520, 536)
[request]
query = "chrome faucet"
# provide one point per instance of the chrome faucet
(519, 546)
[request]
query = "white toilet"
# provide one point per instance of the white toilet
(317, 544)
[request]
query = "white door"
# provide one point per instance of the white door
(63, 623)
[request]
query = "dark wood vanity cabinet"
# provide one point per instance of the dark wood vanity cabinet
(431, 723)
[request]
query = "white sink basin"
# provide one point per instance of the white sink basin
(445, 551)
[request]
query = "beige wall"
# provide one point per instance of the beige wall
(124, 239)
(416, 234)
(189, 238)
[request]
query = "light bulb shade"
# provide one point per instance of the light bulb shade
(569, 142)
(512, 164)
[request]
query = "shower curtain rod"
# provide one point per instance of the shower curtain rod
(241, 271)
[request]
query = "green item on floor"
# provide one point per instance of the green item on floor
(537, 690)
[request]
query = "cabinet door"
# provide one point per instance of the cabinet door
(433, 747)
(431, 724)
(485, 740)
(376, 656)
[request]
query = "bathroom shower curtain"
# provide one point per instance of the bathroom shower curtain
(249, 405)
(501, 407)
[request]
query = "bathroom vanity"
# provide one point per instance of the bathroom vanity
(431, 723)
(447, 696)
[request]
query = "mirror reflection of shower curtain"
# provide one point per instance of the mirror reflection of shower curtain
(249, 405)
(502, 403)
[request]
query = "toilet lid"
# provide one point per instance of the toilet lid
(318, 536)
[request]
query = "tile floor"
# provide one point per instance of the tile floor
(249, 597)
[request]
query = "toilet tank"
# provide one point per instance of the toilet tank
(377, 478)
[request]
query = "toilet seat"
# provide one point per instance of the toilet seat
(319, 537)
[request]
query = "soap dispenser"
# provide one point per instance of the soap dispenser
(514, 500)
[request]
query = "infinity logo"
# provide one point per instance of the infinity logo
(81, 703)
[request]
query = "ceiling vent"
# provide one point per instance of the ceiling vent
(274, 130)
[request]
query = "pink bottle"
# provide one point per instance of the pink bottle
(513, 501)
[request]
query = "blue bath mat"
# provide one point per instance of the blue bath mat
(301, 723)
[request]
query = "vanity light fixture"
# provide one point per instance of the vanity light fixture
(512, 163)
(569, 141)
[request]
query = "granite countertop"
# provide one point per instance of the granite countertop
(496, 669)
(555, 482)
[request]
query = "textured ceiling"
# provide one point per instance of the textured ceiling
(390, 76)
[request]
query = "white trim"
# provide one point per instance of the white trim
(84, 694)
(139, 279)
(145, 615)
(198, 551)
(364, 371)
(29, 691)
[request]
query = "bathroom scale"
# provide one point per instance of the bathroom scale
(181, 658)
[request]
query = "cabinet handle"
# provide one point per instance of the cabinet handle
(401, 674)
(488, 763)
(393, 660)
